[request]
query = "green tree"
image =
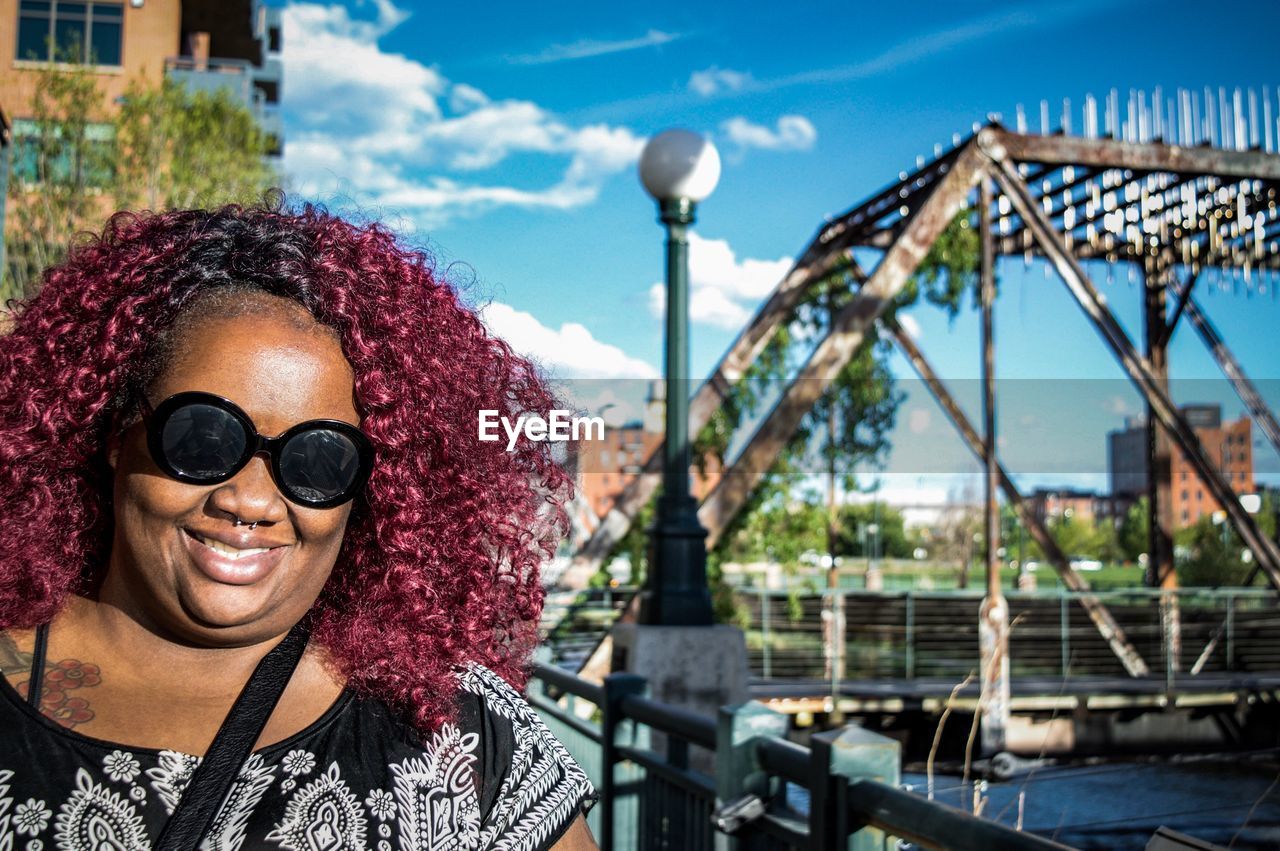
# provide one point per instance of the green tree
(890, 541)
(76, 160)
(1213, 554)
(63, 159)
(180, 149)
(1133, 530)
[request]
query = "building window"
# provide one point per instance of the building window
(39, 155)
(1184, 516)
(1184, 496)
(91, 33)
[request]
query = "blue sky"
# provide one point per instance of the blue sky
(503, 136)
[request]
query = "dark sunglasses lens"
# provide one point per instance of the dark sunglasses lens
(319, 465)
(203, 441)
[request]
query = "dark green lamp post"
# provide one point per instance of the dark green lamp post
(679, 169)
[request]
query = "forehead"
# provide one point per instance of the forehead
(280, 367)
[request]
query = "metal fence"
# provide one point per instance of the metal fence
(723, 783)
(920, 634)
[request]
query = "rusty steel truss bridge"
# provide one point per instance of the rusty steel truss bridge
(1182, 191)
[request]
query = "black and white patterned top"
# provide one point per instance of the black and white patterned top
(357, 778)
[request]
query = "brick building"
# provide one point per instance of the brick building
(1229, 448)
(1056, 504)
(605, 467)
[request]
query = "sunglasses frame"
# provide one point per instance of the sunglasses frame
(255, 444)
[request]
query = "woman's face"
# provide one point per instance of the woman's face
(169, 566)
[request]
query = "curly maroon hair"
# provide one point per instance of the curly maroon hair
(439, 566)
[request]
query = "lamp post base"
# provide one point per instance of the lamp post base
(677, 594)
(696, 668)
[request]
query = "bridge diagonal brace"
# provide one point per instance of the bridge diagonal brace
(1098, 612)
(1231, 368)
(846, 334)
(1138, 369)
(1184, 296)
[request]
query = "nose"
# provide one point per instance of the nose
(251, 495)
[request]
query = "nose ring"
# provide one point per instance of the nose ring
(253, 525)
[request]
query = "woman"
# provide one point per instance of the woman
(221, 431)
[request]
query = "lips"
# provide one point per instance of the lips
(242, 562)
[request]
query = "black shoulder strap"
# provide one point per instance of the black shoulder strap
(232, 745)
(36, 681)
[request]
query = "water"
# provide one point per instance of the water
(1118, 806)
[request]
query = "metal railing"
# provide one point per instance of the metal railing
(731, 791)
(923, 634)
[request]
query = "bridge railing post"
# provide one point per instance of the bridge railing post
(1231, 631)
(616, 687)
(1064, 630)
(909, 637)
(837, 758)
(764, 633)
(738, 768)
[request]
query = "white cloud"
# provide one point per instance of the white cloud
(713, 80)
(792, 133)
(587, 48)
(464, 98)
(724, 290)
(389, 130)
(569, 351)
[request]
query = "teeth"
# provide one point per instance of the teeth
(229, 551)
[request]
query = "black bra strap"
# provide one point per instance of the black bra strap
(232, 745)
(36, 682)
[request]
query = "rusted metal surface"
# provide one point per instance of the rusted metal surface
(1136, 366)
(1107, 626)
(839, 344)
(987, 297)
(1160, 567)
(1111, 153)
(993, 615)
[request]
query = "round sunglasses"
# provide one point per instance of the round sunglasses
(203, 439)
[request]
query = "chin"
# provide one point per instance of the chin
(242, 619)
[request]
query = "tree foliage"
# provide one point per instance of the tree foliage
(1133, 535)
(77, 159)
(63, 162)
(1213, 554)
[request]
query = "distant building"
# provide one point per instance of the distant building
(1229, 448)
(1127, 460)
(606, 467)
(232, 45)
(1055, 505)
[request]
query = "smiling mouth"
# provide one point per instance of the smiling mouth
(227, 550)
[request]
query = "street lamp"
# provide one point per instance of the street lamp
(679, 169)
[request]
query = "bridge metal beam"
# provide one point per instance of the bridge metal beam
(1160, 568)
(841, 341)
(1137, 367)
(993, 614)
(1138, 156)
(1098, 612)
